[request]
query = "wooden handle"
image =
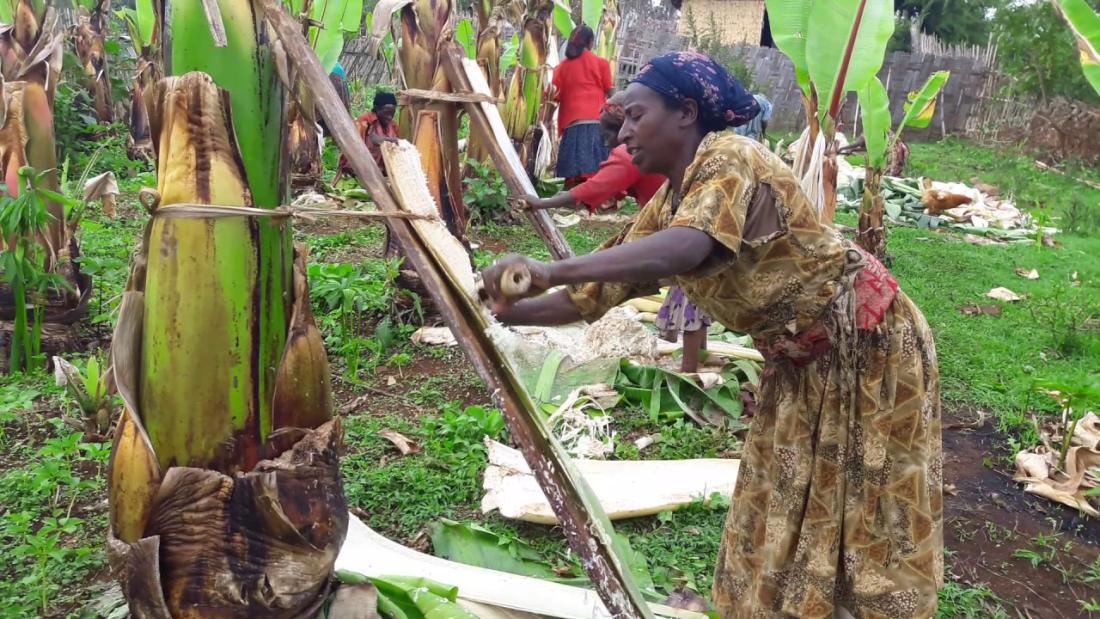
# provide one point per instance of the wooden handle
(515, 281)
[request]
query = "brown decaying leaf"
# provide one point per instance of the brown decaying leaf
(972, 309)
(403, 443)
(1027, 273)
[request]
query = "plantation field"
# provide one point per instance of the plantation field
(1008, 553)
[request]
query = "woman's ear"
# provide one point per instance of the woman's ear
(689, 113)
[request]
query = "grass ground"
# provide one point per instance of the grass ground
(52, 495)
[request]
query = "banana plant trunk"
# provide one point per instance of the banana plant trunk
(607, 41)
(27, 139)
(871, 234)
(523, 101)
(488, 51)
(432, 125)
(89, 34)
(224, 487)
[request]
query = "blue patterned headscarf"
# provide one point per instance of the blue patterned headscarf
(723, 101)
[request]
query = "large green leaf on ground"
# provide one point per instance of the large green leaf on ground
(919, 111)
(845, 46)
(473, 544)
(875, 105)
(411, 597)
(789, 20)
(1085, 24)
(669, 395)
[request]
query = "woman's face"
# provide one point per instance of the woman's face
(655, 134)
(385, 114)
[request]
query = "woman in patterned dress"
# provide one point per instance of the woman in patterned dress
(838, 509)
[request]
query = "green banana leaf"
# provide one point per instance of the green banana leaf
(140, 22)
(7, 11)
(919, 111)
(508, 56)
(668, 395)
(410, 597)
(789, 20)
(336, 17)
(1085, 25)
(592, 12)
(473, 544)
(875, 105)
(845, 47)
(466, 35)
(563, 20)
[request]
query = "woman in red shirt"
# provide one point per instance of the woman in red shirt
(581, 83)
(375, 127)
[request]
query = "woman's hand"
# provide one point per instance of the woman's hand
(517, 269)
(534, 202)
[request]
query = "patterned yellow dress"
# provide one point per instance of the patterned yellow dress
(839, 502)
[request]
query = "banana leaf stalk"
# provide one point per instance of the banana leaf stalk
(607, 40)
(488, 50)
(486, 123)
(89, 34)
(425, 28)
(836, 48)
(141, 23)
(524, 97)
(585, 524)
(324, 22)
(224, 487)
(881, 142)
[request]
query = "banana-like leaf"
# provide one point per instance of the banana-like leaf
(563, 20)
(922, 106)
(845, 47)
(140, 22)
(874, 103)
(789, 20)
(466, 36)
(591, 12)
(1084, 22)
(335, 19)
(509, 55)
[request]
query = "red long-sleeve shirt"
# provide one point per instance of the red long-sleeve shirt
(582, 84)
(617, 178)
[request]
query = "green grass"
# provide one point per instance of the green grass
(51, 489)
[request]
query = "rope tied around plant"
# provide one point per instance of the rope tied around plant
(150, 199)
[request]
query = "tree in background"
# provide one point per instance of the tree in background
(952, 21)
(1038, 53)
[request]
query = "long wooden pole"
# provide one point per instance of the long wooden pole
(486, 121)
(583, 520)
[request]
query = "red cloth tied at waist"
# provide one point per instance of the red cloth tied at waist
(874, 288)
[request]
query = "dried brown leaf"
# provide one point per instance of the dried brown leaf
(403, 443)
